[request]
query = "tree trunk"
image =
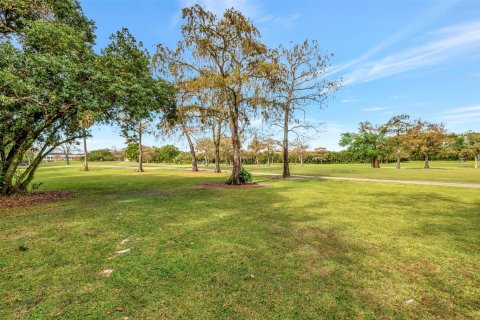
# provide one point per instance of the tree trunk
(217, 159)
(375, 162)
(140, 150)
(24, 185)
(301, 161)
(257, 160)
(191, 146)
(237, 164)
(398, 159)
(85, 152)
(476, 161)
(286, 164)
(427, 164)
(67, 155)
(216, 136)
(9, 171)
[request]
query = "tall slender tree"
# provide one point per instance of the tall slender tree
(86, 121)
(298, 82)
(131, 86)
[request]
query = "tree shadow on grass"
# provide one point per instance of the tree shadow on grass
(211, 253)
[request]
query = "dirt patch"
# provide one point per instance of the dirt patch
(223, 185)
(33, 198)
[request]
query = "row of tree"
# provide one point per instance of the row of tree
(225, 76)
(404, 138)
(54, 87)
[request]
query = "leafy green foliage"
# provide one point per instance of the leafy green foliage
(47, 81)
(167, 153)
(368, 143)
(100, 155)
(245, 176)
(128, 83)
(132, 151)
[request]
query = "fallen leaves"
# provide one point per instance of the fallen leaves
(33, 198)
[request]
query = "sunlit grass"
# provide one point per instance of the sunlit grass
(295, 249)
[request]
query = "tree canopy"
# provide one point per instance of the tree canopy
(48, 79)
(368, 142)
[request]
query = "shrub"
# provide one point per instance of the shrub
(245, 176)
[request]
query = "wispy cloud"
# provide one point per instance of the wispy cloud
(463, 109)
(250, 8)
(443, 44)
(438, 9)
(463, 115)
(286, 22)
(374, 109)
(349, 100)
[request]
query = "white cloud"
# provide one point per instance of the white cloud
(463, 109)
(251, 9)
(287, 22)
(374, 109)
(463, 115)
(436, 10)
(349, 100)
(450, 42)
(256, 122)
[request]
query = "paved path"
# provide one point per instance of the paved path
(428, 183)
(415, 182)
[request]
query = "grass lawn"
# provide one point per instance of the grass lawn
(295, 249)
(445, 171)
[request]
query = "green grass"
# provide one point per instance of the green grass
(445, 171)
(296, 249)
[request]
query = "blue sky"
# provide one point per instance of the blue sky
(416, 57)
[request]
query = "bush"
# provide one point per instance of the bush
(100, 155)
(245, 176)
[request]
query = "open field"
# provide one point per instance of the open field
(296, 249)
(441, 171)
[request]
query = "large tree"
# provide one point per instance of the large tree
(397, 129)
(131, 86)
(228, 57)
(368, 143)
(47, 81)
(298, 82)
(427, 138)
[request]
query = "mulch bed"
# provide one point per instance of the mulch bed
(223, 185)
(33, 198)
